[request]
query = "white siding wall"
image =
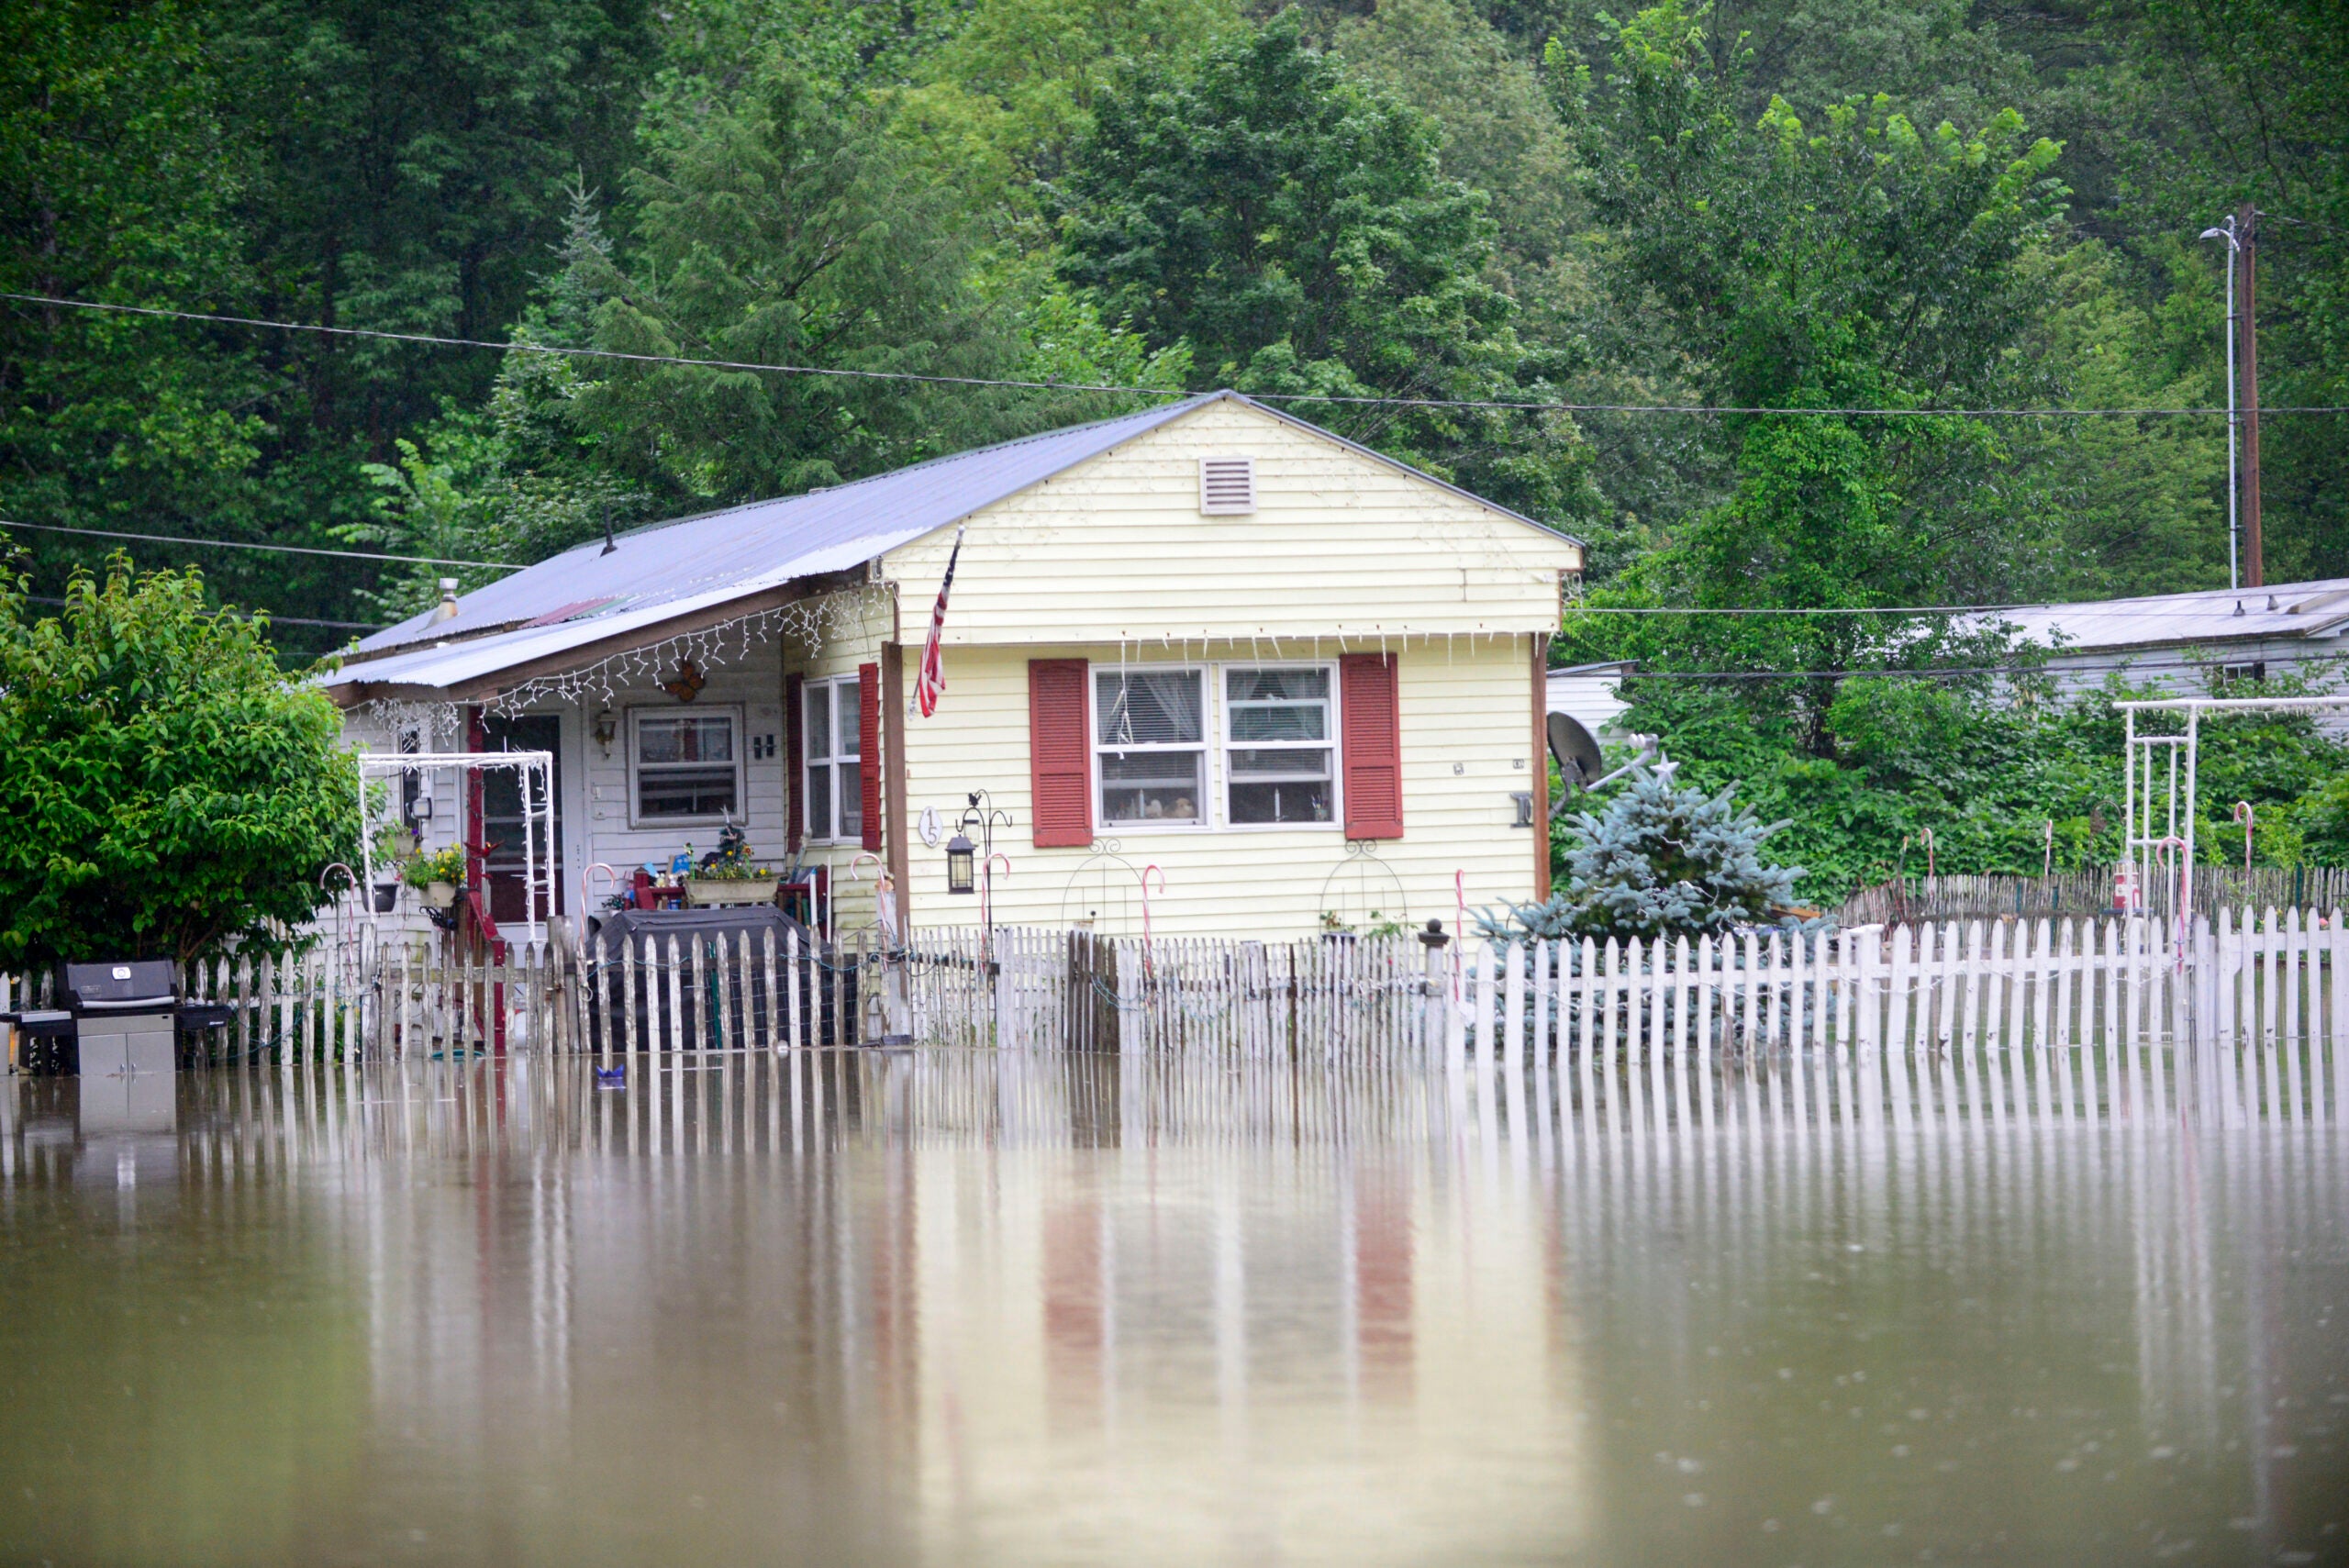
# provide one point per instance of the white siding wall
(2189, 671)
(1592, 696)
(595, 803)
(1466, 719)
(754, 691)
(2193, 672)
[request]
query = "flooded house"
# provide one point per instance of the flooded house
(1207, 664)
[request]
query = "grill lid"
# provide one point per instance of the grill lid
(131, 982)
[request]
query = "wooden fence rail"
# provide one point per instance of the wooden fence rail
(2087, 893)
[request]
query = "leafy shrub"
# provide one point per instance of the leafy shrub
(1987, 775)
(164, 787)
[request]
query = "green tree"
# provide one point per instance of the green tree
(1500, 133)
(164, 788)
(1864, 264)
(417, 154)
(774, 228)
(119, 184)
(2142, 500)
(1290, 222)
(1002, 102)
(2214, 103)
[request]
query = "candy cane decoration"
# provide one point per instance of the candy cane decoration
(987, 889)
(587, 887)
(884, 886)
(1146, 959)
(346, 940)
(1460, 933)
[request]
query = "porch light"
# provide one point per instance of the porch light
(606, 727)
(961, 869)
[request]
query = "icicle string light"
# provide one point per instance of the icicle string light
(811, 623)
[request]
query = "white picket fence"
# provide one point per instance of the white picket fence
(1979, 984)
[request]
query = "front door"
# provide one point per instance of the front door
(506, 863)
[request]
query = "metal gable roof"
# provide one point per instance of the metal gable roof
(743, 550)
(2303, 611)
(669, 570)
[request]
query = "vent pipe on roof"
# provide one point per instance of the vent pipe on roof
(447, 608)
(2238, 606)
(608, 545)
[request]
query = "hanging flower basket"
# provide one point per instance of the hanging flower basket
(387, 896)
(440, 895)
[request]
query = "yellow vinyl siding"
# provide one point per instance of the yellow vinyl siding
(1342, 543)
(1467, 703)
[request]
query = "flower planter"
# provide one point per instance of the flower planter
(704, 891)
(387, 896)
(440, 895)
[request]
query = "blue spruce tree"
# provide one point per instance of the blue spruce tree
(1661, 861)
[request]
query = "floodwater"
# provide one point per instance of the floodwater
(963, 1306)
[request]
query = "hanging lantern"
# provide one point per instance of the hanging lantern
(960, 867)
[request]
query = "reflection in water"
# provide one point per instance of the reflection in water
(952, 1306)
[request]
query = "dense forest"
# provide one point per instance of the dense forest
(1781, 205)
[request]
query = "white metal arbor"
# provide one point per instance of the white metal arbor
(2159, 789)
(535, 780)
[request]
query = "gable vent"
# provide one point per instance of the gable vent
(1227, 486)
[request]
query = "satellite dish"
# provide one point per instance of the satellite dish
(1577, 753)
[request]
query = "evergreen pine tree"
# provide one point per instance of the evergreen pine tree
(1661, 861)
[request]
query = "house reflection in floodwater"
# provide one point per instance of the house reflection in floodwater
(1007, 1306)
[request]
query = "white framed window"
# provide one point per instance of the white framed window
(1150, 745)
(832, 777)
(1279, 745)
(684, 765)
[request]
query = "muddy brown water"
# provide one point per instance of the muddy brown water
(962, 1306)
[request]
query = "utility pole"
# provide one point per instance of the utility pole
(2247, 235)
(2226, 231)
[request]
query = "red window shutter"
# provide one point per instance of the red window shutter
(794, 751)
(1370, 740)
(868, 750)
(1060, 753)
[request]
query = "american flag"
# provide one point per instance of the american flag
(931, 683)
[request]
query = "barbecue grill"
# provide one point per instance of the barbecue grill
(125, 1014)
(112, 1018)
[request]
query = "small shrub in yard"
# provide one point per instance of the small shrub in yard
(1660, 861)
(164, 787)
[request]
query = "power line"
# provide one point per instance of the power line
(277, 549)
(1525, 405)
(1823, 675)
(273, 619)
(1819, 610)
(2099, 607)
